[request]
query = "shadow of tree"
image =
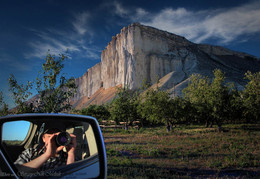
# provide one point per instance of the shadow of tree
(152, 171)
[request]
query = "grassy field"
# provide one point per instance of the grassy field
(191, 151)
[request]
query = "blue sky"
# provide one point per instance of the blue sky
(29, 28)
(15, 130)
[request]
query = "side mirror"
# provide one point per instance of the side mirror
(23, 139)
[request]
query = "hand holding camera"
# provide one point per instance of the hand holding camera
(63, 139)
(57, 141)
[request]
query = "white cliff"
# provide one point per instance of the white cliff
(141, 53)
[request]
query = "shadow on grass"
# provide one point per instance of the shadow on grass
(152, 171)
(116, 137)
(248, 127)
(251, 128)
(125, 143)
(170, 154)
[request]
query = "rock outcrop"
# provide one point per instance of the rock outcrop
(141, 53)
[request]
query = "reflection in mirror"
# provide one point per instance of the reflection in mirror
(49, 144)
(14, 133)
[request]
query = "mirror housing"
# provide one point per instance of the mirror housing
(93, 163)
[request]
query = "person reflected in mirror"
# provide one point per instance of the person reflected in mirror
(50, 156)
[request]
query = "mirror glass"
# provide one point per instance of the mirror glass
(74, 140)
(14, 133)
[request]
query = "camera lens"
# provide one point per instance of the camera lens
(63, 139)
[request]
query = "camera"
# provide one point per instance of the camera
(63, 139)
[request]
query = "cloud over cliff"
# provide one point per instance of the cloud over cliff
(224, 24)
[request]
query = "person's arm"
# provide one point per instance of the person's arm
(51, 151)
(34, 165)
(71, 149)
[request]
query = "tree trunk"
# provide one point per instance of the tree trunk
(211, 124)
(219, 127)
(207, 124)
(170, 127)
(126, 126)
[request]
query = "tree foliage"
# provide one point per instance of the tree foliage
(53, 88)
(205, 101)
(3, 106)
(236, 108)
(197, 94)
(181, 111)
(21, 93)
(100, 112)
(155, 106)
(251, 97)
(124, 107)
(211, 99)
(219, 98)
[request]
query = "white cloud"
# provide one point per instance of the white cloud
(92, 52)
(80, 22)
(140, 14)
(225, 24)
(46, 42)
(116, 8)
(40, 49)
(60, 42)
(229, 24)
(119, 9)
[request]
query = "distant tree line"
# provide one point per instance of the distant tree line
(204, 101)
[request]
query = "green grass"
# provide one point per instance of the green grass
(186, 152)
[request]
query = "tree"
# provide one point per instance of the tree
(21, 93)
(3, 106)
(182, 111)
(211, 99)
(237, 107)
(219, 98)
(124, 107)
(55, 91)
(155, 107)
(251, 97)
(197, 94)
(100, 112)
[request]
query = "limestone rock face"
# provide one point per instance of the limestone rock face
(82, 84)
(141, 53)
(117, 60)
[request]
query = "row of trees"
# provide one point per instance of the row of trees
(204, 101)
